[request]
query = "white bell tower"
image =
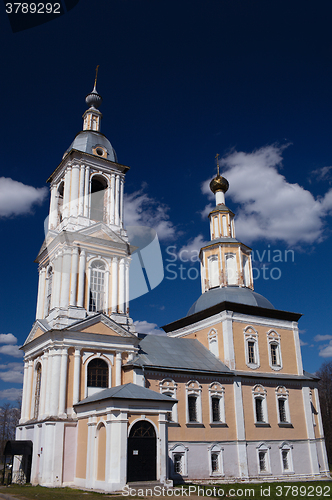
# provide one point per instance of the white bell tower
(84, 261)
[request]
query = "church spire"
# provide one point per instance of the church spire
(219, 185)
(92, 117)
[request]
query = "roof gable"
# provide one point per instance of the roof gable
(100, 324)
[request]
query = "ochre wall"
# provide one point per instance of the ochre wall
(82, 444)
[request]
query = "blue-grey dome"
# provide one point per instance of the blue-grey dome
(88, 142)
(230, 294)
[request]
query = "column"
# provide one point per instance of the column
(24, 393)
(115, 284)
(118, 459)
(49, 381)
(81, 191)
(163, 449)
(227, 331)
(121, 201)
(55, 381)
(75, 175)
(86, 191)
(77, 371)
(52, 221)
(117, 200)
(127, 286)
(63, 382)
(107, 283)
(41, 293)
(43, 384)
(240, 430)
(118, 364)
(29, 390)
(73, 276)
(65, 277)
(310, 430)
(91, 451)
(112, 200)
(66, 193)
(81, 279)
(121, 286)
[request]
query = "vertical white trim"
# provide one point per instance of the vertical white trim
(118, 365)
(86, 192)
(114, 284)
(66, 193)
(65, 277)
(117, 200)
(63, 382)
(297, 348)
(52, 221)
(81, 279)
(310, 430)
(57, 268)
(81, 191)
(227, 329)
(24, 393)
(41, 293)
(240, 429)
(75, 175)
(43, 384)
(74, 276)
(121, 200)
(55, 381)
(49, 382)
(77, 375)
(112, 200)
(127, 285)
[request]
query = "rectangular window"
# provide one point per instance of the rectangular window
(251, 352)
(262, 461)
(282, 410)
(216, 410)
(275, 355)
(215, 462)
(285, 461)
(259, 410)
(178, 463)
(192, 408)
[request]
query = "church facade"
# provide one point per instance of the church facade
(222, 396)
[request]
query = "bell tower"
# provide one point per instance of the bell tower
(84, 260)
(225, 262)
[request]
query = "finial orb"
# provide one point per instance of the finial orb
(219, 183)
(93, 99)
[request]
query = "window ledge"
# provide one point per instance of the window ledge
(262, 424)
(194, 424)
(276, 367)
(286, 472)
(252, 366)
(266, 473)
(173, 424)
(217, 474)
(218, 424)
(285, 424)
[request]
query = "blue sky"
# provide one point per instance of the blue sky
(181, 81)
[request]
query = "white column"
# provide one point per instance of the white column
(55, 382)
(107, 285)
(29, 390)
(118, 460)
(227, 330)
(77, 378)
(75, 175)
(73, 276)
(220, 198)
(41, 294)
(240, 430)
(86, 192)
(52, 221)
(66, 193)
(81, 191)
(121, 286)
(24, 393)
(118, 364)
(90, 454)
(49, 382)
(57, 268)
(117, 200)
(114, 284)
(127, 286)
(112, 200)
(163, 449)
(63, 382)
(43, 385)
(65, 277)
(121, 201)
(81, 279)
(310, 430)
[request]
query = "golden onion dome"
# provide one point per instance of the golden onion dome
(219, 183)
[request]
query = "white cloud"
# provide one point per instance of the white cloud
(319, 338)
(12, 394)
(271, 208)
(303, 343)
(7, 338)
(13, 373)
(326, 351)
(323, 174)
(11, 350)
(16, 198)
(191, 251)
(146, 327)
(142, 210)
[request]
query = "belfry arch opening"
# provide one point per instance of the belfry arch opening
(98, 198)
(142, 452)
(60, 201)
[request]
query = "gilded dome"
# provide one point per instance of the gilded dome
(219, 183)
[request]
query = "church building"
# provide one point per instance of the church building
(222, 396)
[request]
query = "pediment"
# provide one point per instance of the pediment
(101, 324)
(103, 232)
(37, 330)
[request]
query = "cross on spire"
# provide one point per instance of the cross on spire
(217, 158)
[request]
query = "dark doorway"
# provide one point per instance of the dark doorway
(23, 449)
(142, 452)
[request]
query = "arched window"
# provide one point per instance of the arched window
(168, 387)
(231, 270)
(214, 271)
(273, 339)
(60, 201)
(251, 347)
(260, 406)
(283, 406)
(49, 289)
(178, 454)
(215, 459)
(98, 198)
(98, 373)
(217, 403)
(37, 390)
(263, 458)
(194, 402)
(213, 342)
(97, 286)
(286, 458)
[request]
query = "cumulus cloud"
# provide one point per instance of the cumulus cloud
(10, 348)
(319, 338)
(17, 199)
(13, 373)
(326, 351)
(142, 210)
(7, 338)
(191, 251)
(271, 208)
(149, 328)
(12, 394)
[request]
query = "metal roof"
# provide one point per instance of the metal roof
(87, 140)
(178, 354)
(127, 391)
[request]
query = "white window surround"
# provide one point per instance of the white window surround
(251, 335)
(217, 391)
(168, 386)
(87, 357)
(193, 388)
(182, 451)
(213, 266)
(273, 338)
(231, 269)
(263, 448)
(213, 342)
(287, 465)
(282, 394)
(105, 292)
(216, 449)
(258, 392)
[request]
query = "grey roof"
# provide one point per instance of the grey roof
(178, 354)
(127, 391)
(86, 140)
(233, 294)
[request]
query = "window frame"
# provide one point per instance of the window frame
(260, 393)
(216, 449)
(251, 335)
(169, 387)
(180, 450)
(105, 285)
(286, 447)
(283, 394)
(193, 388)
(265, 449)
(213, 342)
(87, 357)
(217, 391)
(273, 339)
